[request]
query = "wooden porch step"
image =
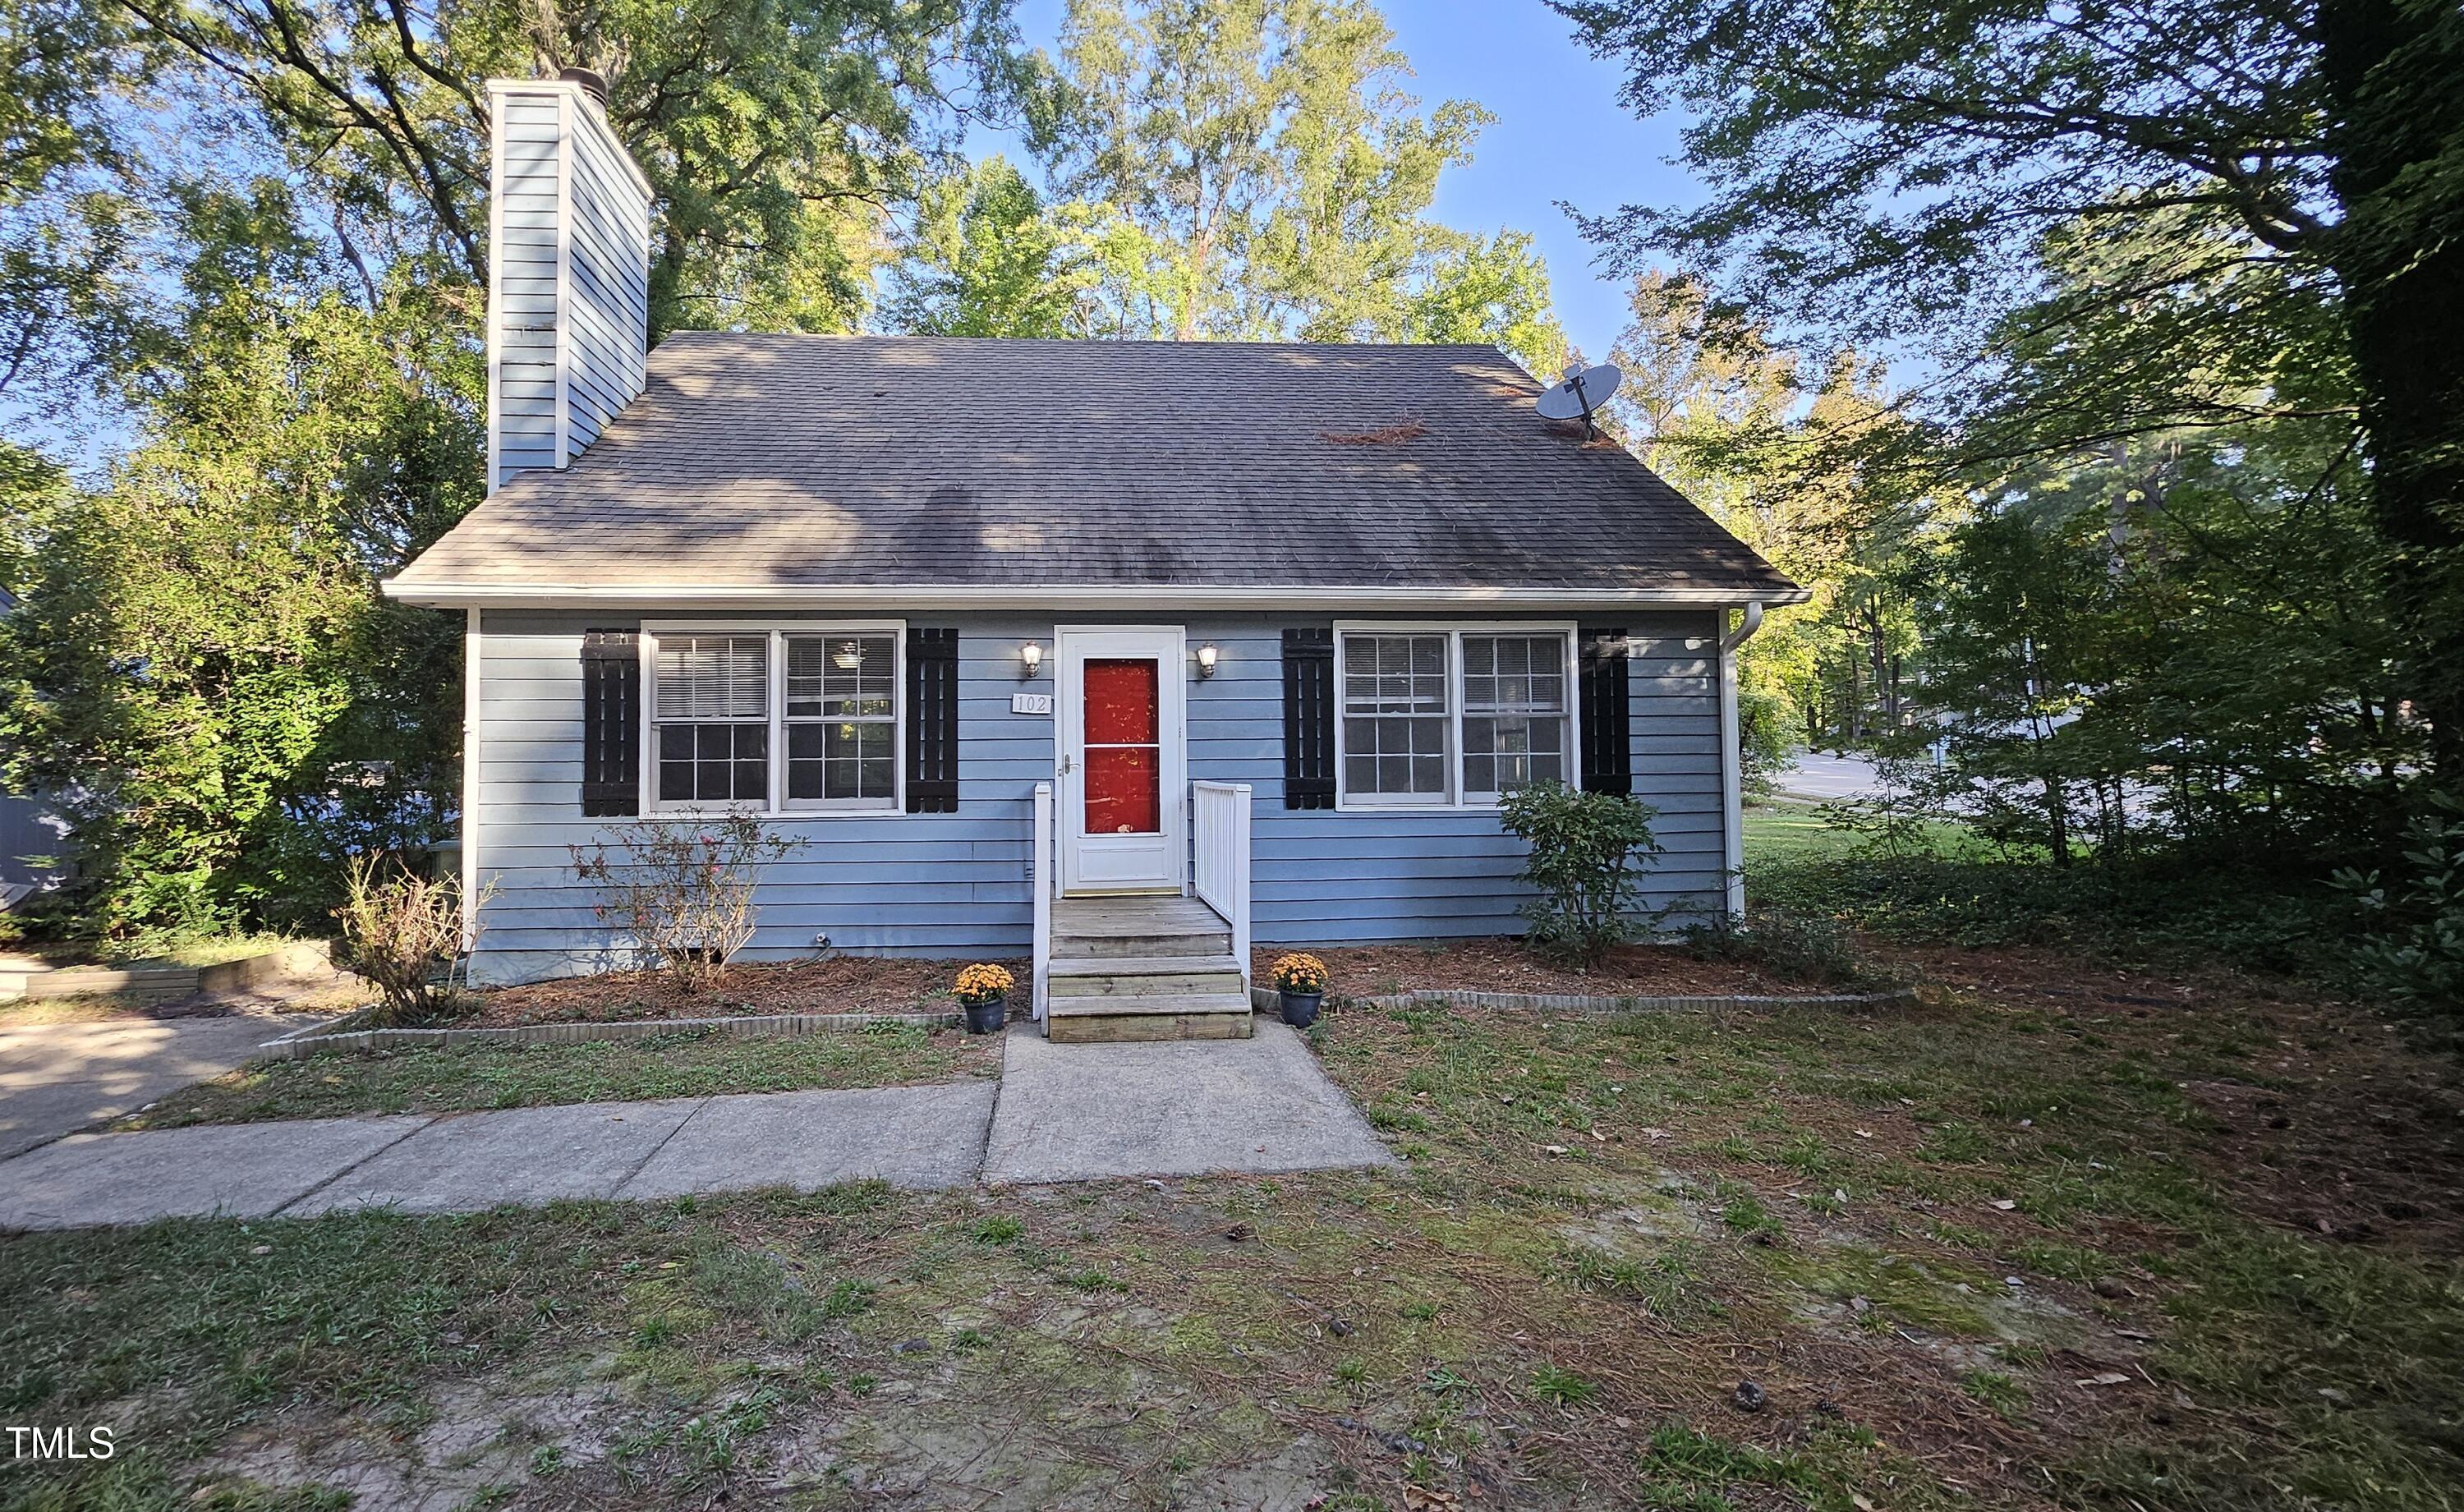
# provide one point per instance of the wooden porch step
(1115, 1003)
(1085, 1020)
(1130, 968)
(1140, 947)
(1146, 977)
(1136, 928)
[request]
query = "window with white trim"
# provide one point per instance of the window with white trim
(712, 709)
(1514, 713)
(842, 720)
(781, 720)
(1395, 718)
(1445, 718)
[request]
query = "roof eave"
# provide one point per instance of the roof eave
(1075, 597)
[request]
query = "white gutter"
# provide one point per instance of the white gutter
(1732, 776)
(1072, 596)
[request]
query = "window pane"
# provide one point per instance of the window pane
(1514, 721)
(841, 760)
(715, 763)
(1394, 674)
(841, 677)
(1409, 756)
(1123, 797)
(713, 677)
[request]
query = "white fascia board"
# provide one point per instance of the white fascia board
(1056, 596)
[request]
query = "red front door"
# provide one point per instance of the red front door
(1120, 712)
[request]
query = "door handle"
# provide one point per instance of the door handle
(1068, 766)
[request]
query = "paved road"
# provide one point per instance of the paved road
(1821, 777)
(1059, 1113)
(58, 1078)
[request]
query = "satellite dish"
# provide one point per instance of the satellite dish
(1583, 390)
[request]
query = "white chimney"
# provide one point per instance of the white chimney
(569, 272)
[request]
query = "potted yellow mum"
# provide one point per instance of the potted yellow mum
(1300, 980)
(984, 991)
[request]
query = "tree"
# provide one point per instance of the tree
(983, 260)
(776, 134)
(1903, 173)
(1254, 169)
(1753, 434)
(202, 677)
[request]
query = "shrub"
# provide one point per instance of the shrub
(684, 890)
(1800, 947)
(1584, 846)
(2416, 954)
(398, 927)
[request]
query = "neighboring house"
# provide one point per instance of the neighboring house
(26, 829)
(1111, 654)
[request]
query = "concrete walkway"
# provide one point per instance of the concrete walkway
(1082, 1112)
(57, 1078)
(1059, 1113)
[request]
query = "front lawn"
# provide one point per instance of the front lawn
(693, 1063)
(2088, 1238)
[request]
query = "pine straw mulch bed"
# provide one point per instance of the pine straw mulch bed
(1503, 965)
(877, 984)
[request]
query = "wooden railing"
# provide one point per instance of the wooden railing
(1039, 882)
(1221, 830)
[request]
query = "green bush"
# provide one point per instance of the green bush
(2415, 953)
(2131, 914)
(1800, 947)
(1584, 846)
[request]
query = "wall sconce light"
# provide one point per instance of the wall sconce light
(1207, 660)
(1030, 657)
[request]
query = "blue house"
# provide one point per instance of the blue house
(1114, 655)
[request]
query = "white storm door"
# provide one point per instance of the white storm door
(1118, 722)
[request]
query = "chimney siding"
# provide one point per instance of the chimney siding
(568, 296)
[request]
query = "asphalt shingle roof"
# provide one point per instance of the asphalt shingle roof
(757, 462)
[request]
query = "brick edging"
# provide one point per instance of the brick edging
(1265, 997)
(318, 1039)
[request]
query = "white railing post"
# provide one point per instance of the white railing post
(1240, 914)
(1222, 869)
(1039, 873)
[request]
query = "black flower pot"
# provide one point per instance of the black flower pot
(987, 1017)
(1300, 1009)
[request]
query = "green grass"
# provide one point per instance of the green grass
(700, 1064)
(1607, 1222)
(1778, 830)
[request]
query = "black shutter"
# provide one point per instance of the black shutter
(932, 721)
(1607, 735)
(1308, 719)
(611, 723)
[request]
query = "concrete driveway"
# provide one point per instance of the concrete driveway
(58, 1078)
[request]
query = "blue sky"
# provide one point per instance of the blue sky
(1560, 135)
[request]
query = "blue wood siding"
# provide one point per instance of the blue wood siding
(594, 280)
(957, 883)
(523, 311)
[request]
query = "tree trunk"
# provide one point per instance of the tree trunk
(2390, 68)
